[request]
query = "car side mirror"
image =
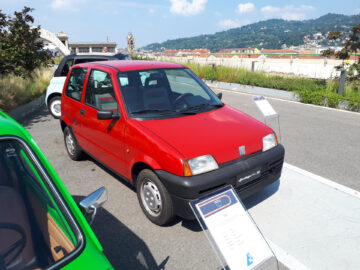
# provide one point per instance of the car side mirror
(219, 95)
(106, 115)
(91, 203)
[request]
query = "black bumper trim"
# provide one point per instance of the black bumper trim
(185, 189)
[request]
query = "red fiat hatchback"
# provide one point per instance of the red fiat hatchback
(160, 127)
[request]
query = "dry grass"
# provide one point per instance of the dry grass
(15, 90)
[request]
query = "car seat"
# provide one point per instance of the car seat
(156, 94)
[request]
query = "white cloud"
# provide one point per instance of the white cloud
(287, 13)
(151, 10)
(61, 4)
(185, 7)
(71, 5)
(245, 8)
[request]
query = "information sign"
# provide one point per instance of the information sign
(231, 230)
(265, 107)
(271, 117)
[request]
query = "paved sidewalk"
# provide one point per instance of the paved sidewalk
(310, 224)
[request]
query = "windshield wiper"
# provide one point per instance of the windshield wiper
(161, 111)
(153, 111)
(199, 107)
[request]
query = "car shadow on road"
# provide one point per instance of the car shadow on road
(123, 248)
(262, 195)
(36, 117)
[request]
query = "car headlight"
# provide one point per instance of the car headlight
(269, 142)
(200, 165)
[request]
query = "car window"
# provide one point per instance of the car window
(75, 84)
(66, 68)
(34, 211)
(100, 91)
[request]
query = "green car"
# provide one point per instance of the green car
(41, 226)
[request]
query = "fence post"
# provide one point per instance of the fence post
(253, 66)
(342, 81)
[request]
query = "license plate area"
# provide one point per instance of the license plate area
(247, 176)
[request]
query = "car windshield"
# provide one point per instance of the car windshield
(165, 93)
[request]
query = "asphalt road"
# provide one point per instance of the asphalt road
(322, 141)
(317, 139)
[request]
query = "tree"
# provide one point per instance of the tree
(351, 46)
(21, 50)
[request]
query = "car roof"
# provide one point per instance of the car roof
(9, 126)
(127, 65)
(93, 56)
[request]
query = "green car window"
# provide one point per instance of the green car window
(45, 231)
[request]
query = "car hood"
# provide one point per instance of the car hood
(219, 132)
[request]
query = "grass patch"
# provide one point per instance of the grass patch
(314, 91)
(15, 90)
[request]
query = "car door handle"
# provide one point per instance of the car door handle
(82, 112)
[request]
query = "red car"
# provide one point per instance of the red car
(160, 127)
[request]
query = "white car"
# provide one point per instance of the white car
(55, 88)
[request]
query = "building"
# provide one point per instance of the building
(92, 47)
(63, 38)
(240, 50)
(131, 43)
(200, 51)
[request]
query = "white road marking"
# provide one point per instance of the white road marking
(325, 181)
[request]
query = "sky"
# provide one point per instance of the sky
(156, 21)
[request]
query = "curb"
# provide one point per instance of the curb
(22, 111)
(254, 90)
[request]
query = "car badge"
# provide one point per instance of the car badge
(242, 150)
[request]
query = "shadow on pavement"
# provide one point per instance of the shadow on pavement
(36, 117)
(262, 195)
(123, 248)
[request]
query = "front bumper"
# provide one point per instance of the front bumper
(255, 171)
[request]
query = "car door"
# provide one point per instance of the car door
(104, 138)
(71, 106)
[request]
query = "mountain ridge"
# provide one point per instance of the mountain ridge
(267, 34)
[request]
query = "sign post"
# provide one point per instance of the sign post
(269, 114)
(232, 233)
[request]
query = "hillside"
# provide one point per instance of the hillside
(269, 34)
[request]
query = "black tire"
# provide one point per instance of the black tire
(72, 148)
(54, 106)
(148, 183)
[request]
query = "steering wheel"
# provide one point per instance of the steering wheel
(181, 98)
(14, 250)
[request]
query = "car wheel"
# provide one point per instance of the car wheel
(71, 145)
(55, 107)
(154, 199)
